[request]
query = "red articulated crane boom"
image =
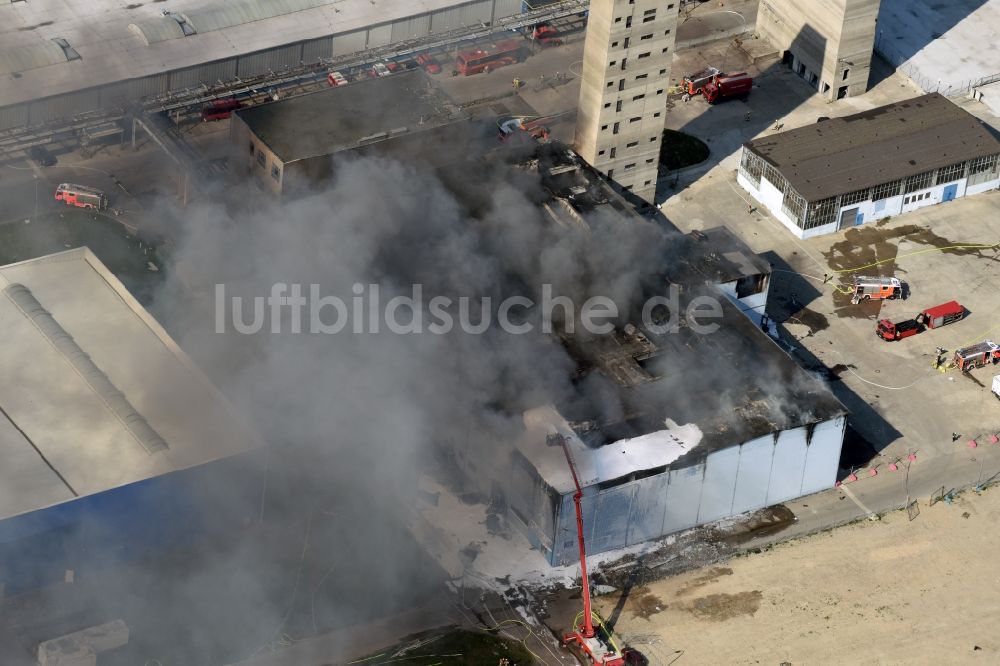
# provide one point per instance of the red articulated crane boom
(595, 640)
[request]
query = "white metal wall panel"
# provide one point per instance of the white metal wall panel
(505, 8)
(823, 456)
(13, 116)
(272, 60)
(379, 35)
(314, 50)
(648, 508)
(209, 73)
(683, 496)
(149, 85)
(754, 475)
(446, 19)
(411, 28)
(720, 481)
(789, 464)
(349, 42)
(476, 12)
(611, 517)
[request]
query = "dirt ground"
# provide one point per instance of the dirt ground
(888, 592)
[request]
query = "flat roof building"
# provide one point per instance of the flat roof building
(105, 423)
(288, 145)
(841, 172)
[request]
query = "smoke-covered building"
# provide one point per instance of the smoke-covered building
(703, 424)
(288, 146)
(842, 172)
(113, 442)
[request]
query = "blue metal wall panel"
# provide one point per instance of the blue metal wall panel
(614, 507)
(823, 456)
(788, 466)
(683, 497)
(140, 519)
(754, 474)
(648, 508)
(720, 482)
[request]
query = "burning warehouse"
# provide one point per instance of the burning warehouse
(697, 425)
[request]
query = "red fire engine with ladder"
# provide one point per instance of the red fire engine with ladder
(593, 638)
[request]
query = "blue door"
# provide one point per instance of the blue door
(860, 219)
(949, 192)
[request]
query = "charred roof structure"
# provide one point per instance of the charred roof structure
(840, 172)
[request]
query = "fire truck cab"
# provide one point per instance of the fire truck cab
(875, 288)
(81, 196)
(693, 83)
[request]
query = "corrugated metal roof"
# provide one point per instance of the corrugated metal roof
(246, 11)
(88, 373)
(157, 30)
(877, 146)
(33, 56)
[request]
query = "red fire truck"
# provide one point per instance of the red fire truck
(865, 288)
(499, 54)
(81, 196)
(977, 355)
(723, 86)
(936, 317)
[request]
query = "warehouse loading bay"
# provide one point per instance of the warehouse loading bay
(915, 573)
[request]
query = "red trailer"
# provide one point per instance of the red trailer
(728, 85)
(941, 315)
(500, 54)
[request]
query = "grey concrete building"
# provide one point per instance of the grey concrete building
(288, 146)
(829, 43)
(626, 70)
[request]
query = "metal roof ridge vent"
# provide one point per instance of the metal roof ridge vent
(69, 51)
(398, 131)
(58, 337)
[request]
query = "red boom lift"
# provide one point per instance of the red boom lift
(594, 639)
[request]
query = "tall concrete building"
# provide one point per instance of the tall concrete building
(828, 43)
(626, 71)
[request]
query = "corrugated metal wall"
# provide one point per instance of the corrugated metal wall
(505, 8)
(350, 42)
(149, 85)
(476, 12)
(313, 51)
(63, 106)
(411, 28)
(380, 35)
(272, 60)
(13, 116)
(222, 70)
(761, 472)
